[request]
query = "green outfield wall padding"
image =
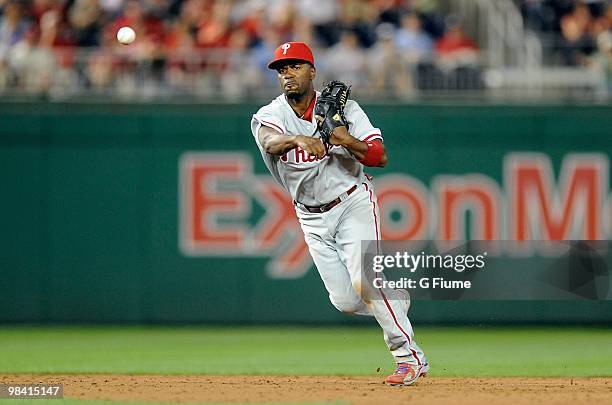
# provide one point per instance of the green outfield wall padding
(90, 209)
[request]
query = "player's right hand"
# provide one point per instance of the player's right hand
(313, 146)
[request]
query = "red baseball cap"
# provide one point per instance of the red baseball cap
(292, 51)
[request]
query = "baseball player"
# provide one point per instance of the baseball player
(316, 146)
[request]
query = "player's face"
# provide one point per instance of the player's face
(296, 78)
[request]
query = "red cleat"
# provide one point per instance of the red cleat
(407, 374)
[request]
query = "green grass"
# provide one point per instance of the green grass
(452, 351)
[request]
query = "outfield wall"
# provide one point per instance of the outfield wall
(151, 213)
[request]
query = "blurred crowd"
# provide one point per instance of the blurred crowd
(578, 31)
(223, 46)
(215, 45)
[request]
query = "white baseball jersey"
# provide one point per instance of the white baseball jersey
(309, 180)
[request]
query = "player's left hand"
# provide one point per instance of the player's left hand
(329, 110)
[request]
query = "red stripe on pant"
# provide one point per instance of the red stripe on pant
(414, 354)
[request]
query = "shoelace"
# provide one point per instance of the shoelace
(401, 369)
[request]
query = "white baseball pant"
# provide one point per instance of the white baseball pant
(334, 240)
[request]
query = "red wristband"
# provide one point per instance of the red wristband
(373, 155)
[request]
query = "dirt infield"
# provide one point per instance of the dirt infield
(357, 390)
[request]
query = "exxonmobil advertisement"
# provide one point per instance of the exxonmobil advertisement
(228, 210)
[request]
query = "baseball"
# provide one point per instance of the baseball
(126, 35)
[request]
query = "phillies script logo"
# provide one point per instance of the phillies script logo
(228, 210)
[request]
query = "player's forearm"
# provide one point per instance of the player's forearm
(359, 149)
(276, 143)
(356, 147)
(279, 145)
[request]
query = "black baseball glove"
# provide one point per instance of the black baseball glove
(329, 108)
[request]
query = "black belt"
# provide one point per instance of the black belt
(326, 207)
